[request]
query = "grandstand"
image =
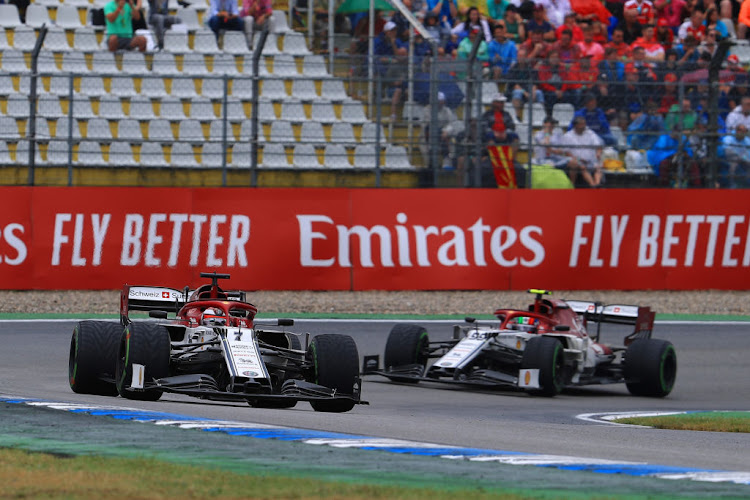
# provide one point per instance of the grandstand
(185, 111)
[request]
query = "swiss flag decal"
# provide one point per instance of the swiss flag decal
(164, 295)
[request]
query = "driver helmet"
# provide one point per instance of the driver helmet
(213, 317)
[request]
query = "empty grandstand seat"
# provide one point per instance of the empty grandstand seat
(9, 17)
(183, 87)
(48, 106)
(176, 42)
(314, 66)
(194, 64)
(152, 155)
(110, 107)
(292, 110)
(323, 112)
(279, 23)
(164, 63)
(281, 132)
(563, 112)
(205, 42)
(274, 156)
(242, 88)
(141, 108)
(84, 39)
(353, 111)
(90, 153)
(129, 130)
(103, 63)
(336, 156)
(342, 133)
(153, 87)
(171, 108)
(74, 62)
(97, 129)
(24, 37)
(121, 155)
(284, 65)
(241, 155)
(56, 40)
(81, 107)
(183, 155)
(295, 44)
(312, 131)
(211, 154)
(304, 89)
(13, 61)
(234, 42)
(396, 157)
(36, 15)
(370, 133)
(201, 108)
(213, 88)
(8, 128)
(273, 88)
(93, 85)
(271, 48)
(305, 156)
(67, 16)
(191, 131)
(122, 86)
(160, 130)
(364, 156)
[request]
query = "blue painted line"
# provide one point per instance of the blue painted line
(397, 445)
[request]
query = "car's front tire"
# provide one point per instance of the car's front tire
(93, 353)
(650, 367)
(335, 363)
(145, 344)
(406, 345)
(546, 355)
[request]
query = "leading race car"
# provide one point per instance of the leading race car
(540, 350)
(212, 348)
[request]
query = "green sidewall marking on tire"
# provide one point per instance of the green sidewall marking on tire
(423, 335)
(75, 357)
(554, 365)
(315, 360)
(669, 350)
(121, 384)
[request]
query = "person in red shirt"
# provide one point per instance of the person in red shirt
(618, 43)
(644, 8)
(653, 50)
(589, 48)
(534, 48)
(565, 47)
(664, 34)
(571, 24)
(671, 11)
(693, 26)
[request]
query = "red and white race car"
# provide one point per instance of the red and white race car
(213, 348)
(541, 350)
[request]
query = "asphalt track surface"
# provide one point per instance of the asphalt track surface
(713, 374)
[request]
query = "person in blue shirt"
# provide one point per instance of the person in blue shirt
(596, 119)
(736, 150)
(670, 150)
(390, 54)
(444, 9)
(502, 52)
(224, 15)
(645, 129)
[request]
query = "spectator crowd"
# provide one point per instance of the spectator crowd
(634, 72)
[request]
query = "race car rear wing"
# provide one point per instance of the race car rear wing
(150, 298)
(158, 298)
(641, 317)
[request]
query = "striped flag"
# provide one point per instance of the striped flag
(502, 166)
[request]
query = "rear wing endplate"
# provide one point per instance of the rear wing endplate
(642, 318)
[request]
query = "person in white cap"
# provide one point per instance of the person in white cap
(499, 122)
(390, 62)
(447, 123)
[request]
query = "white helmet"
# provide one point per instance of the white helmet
(213, 317)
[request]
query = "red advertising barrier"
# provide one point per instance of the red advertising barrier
(352, 239)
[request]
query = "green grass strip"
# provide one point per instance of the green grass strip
(711, 421)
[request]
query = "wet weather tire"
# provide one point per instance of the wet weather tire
(546, 355)
(93, 353)
(650, 367)
(406, 345)
(335, 363)
(145, 344)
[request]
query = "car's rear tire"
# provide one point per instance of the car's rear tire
(145, 344)
(650, 367)
(93, 353)
(546, 355)
(335, 363)
(406, 345)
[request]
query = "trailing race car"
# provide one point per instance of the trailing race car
(212, 349)
(541, 350)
